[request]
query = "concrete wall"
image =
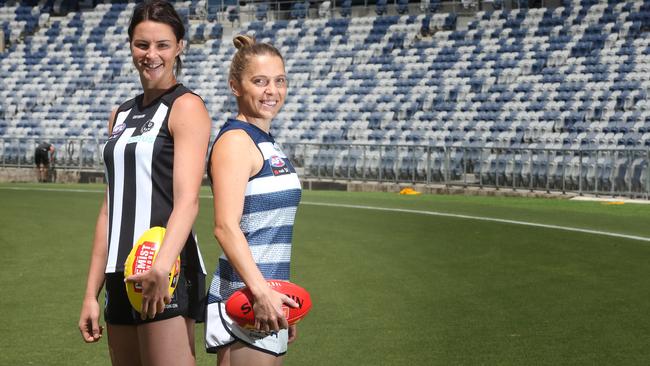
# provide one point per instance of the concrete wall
(359, 186)
(28, 175)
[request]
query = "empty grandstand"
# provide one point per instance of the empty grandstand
(529, 95)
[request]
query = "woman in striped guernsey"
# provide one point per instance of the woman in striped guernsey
(155, 160)
(256, 194)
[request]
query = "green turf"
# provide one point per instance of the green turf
(389, 288)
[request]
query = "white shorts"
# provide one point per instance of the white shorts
(222, 331)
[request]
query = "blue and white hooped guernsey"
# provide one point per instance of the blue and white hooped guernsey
(270, 204)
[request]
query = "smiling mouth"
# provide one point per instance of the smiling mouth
(269, 103)
(151, 66)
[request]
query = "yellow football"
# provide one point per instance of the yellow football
(142, 256)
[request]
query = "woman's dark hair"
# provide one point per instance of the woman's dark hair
(162, 12)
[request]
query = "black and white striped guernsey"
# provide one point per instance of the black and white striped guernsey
(138, 158)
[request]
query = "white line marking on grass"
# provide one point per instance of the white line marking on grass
(419, 212)
(481, 218)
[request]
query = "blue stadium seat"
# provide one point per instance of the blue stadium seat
(261, 10)
(233, 14)
(402, 6)
(381, 7)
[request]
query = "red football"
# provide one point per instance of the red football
(240, 304)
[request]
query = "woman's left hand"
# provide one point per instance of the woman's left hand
(155, 291)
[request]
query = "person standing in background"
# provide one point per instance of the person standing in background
(44, 158)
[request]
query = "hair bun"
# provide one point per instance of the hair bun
(243, 40)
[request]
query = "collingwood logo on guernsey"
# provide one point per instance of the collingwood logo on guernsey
(147, 126)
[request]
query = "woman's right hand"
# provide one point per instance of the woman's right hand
(267, 307)
(89, 326)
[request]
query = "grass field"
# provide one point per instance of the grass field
(389, 287)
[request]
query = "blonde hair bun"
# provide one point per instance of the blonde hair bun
(247, 48)
(243, 40)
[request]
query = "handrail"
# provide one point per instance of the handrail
(611, 171)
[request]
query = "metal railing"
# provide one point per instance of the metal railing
(76, 153)
(622, 172)
(619, 172)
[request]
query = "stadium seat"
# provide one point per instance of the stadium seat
(381, 7)
(346, 8)
(402, 6)
(233, 14)
(324, 9)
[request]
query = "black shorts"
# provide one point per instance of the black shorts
(188, 300)
(41, 157)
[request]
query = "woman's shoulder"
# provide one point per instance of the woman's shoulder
(182, 97)
(235, 128)
(188, 104)
(189, 99)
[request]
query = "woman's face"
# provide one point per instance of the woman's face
(154, 48)
(263, 87)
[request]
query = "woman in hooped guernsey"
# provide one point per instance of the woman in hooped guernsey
(155, 160)
(256, 194)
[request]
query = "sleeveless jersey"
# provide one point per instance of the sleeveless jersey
(270, 204)
(138, 158)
